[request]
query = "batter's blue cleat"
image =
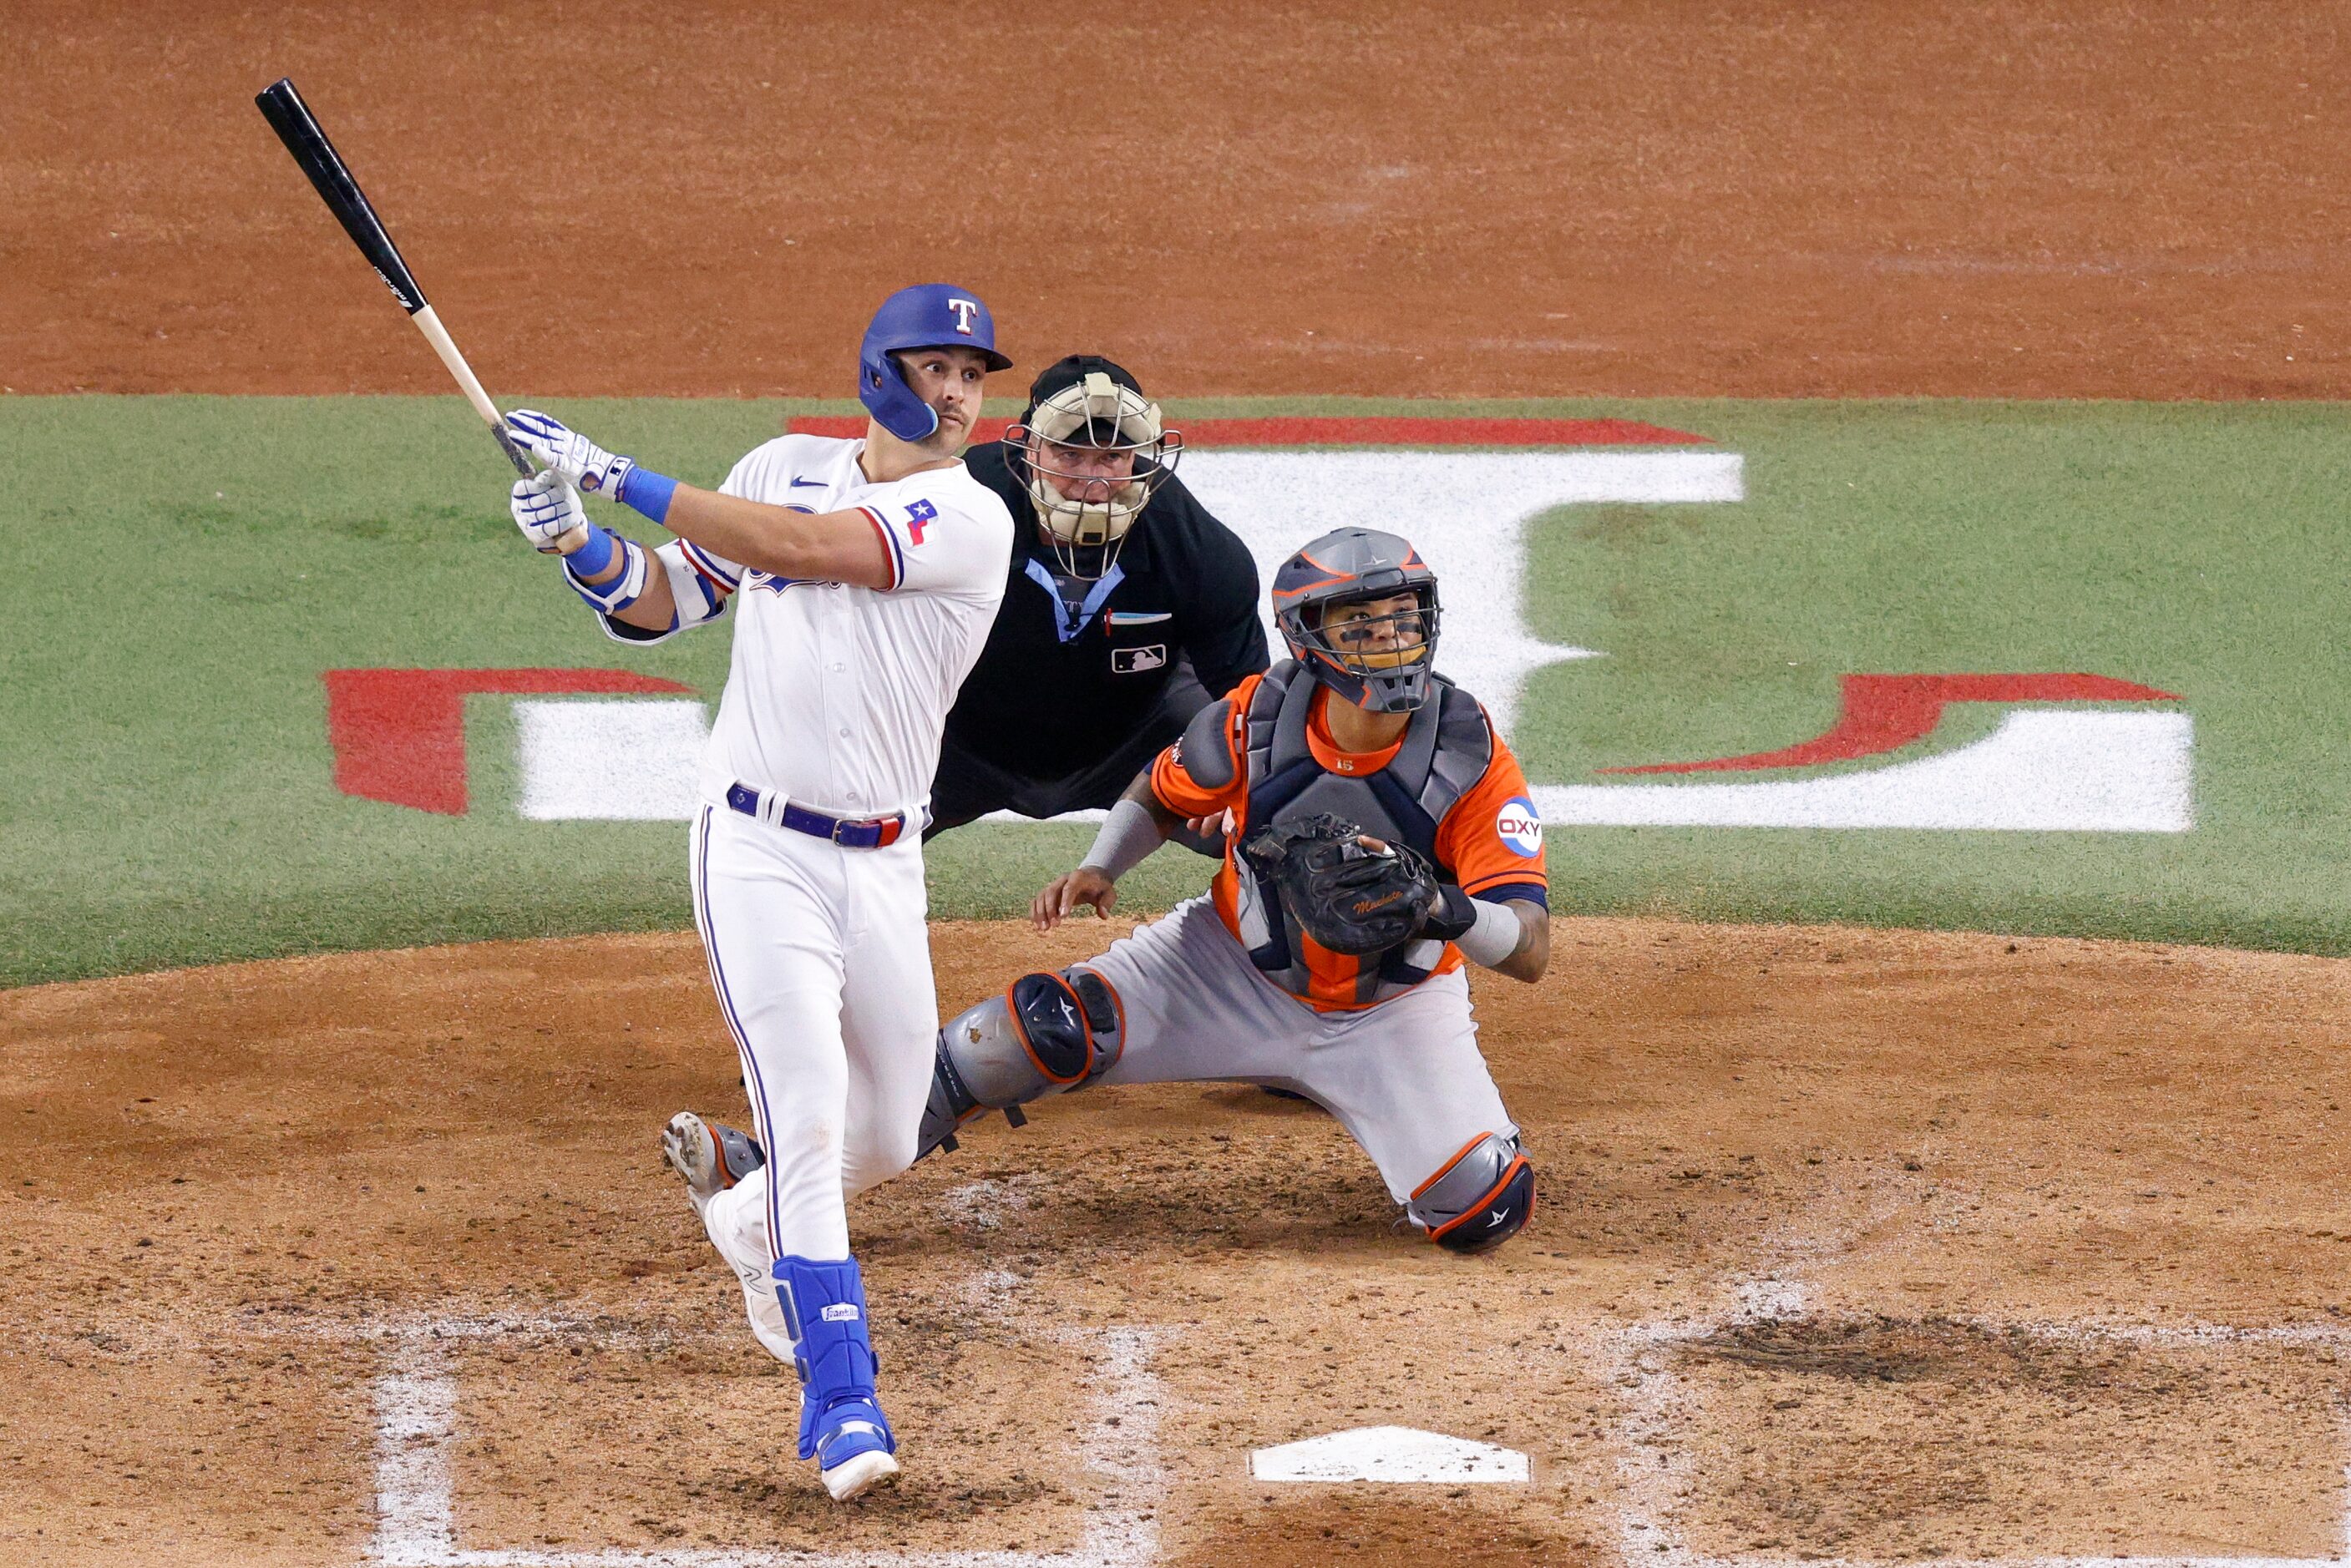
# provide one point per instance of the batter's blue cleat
(841, 1423)
(853, 1448)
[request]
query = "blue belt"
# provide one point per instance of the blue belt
(875, 833)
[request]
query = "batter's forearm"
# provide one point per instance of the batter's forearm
(828, 546)
(656, 607)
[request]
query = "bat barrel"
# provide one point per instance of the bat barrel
(298, 130)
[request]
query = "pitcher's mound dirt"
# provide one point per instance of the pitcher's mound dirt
(1852, 1243)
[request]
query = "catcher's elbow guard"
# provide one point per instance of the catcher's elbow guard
(1047, 1033)
(1480, 1198)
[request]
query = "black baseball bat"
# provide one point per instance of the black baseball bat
(298, 128)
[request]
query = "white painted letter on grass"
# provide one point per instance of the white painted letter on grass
(631, 759)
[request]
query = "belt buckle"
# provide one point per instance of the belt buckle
(840, 828)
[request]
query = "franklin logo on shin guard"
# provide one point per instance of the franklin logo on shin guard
(839, 1312)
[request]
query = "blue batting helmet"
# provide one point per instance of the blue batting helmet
(927, 315)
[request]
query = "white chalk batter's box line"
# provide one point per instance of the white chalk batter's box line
(1653, 1465)
(416, 1427)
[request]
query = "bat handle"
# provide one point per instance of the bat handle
(514, 453)
(428, 323)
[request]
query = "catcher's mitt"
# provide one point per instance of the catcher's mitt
(1348, 897)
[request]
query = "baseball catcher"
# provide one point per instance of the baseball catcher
(1380, 834)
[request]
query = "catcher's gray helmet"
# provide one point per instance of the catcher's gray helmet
(1384, 662)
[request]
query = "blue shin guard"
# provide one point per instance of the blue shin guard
(824, 1309)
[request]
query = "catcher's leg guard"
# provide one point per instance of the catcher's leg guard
(1480, 1199)
(1047, 1033)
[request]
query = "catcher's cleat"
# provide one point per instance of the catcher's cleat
(710, 1155)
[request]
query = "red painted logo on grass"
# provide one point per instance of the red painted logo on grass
(1885, 712)
(400, 734)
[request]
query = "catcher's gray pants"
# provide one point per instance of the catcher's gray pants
(1404, 1078)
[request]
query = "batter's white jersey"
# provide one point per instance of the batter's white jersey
(838, 694)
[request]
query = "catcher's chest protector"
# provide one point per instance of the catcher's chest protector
(1446, 751)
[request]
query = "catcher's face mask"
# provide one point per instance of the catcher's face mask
(1384, 643)
(1094, 451)
(1359, 608)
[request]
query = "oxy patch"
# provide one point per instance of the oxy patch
(1520, 826)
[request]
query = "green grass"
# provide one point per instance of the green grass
(190, 565)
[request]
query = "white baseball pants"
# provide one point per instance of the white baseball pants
(821, 960)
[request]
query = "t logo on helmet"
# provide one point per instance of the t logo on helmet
(963, 309)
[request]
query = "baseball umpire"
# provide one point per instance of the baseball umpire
(1128, 607)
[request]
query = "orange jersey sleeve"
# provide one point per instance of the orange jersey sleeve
(1492, 838)
(1183, 794)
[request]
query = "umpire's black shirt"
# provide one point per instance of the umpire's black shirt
(1057, 688)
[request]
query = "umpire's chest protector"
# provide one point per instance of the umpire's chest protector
(1444, 752)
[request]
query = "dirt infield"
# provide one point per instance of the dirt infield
(2009, 198)
(1864, 1244)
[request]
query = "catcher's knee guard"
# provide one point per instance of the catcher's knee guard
(1046, 1034)
(1480, 1199)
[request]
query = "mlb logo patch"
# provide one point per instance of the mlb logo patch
(1136, 660)
(1518, 827)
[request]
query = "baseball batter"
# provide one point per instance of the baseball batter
(865, 574)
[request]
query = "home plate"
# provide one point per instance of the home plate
(1387, 1454)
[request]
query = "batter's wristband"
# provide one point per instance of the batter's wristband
(644, 491)
(1127, 838)
(594, 557)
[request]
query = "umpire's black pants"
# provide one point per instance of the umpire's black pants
(968, 786)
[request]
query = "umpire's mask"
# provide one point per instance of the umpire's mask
(1091, 450)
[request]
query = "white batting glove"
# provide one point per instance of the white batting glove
(567, 452)
(546, 508)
